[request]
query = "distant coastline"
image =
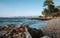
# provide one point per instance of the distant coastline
(32, 17)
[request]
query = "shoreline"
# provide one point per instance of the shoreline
(52, 28)
(16, 30)
(17, 27)
(36, 18)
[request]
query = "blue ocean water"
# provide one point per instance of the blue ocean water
(34, 23)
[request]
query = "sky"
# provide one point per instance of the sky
(12, 8)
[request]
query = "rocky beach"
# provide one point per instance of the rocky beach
(19, 31)
(49, 30)
(52, 28)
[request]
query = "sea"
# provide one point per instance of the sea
(34, 23)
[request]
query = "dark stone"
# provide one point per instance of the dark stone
(35, 33)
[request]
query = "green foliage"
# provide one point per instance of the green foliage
(48, 2)
(58, 7)
(50, 5)
(45, 12)
(57, 11)
(52, 9)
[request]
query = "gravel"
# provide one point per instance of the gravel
(52, 28)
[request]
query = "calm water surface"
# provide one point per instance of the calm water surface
(31, 22)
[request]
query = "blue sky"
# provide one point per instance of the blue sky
(11, 8)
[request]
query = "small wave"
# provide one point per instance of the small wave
(31, 22)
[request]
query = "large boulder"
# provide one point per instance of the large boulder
(35, 33)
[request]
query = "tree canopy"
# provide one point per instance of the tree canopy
(51, 8)
(48, 2)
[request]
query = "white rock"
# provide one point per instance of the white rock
(45, 37)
